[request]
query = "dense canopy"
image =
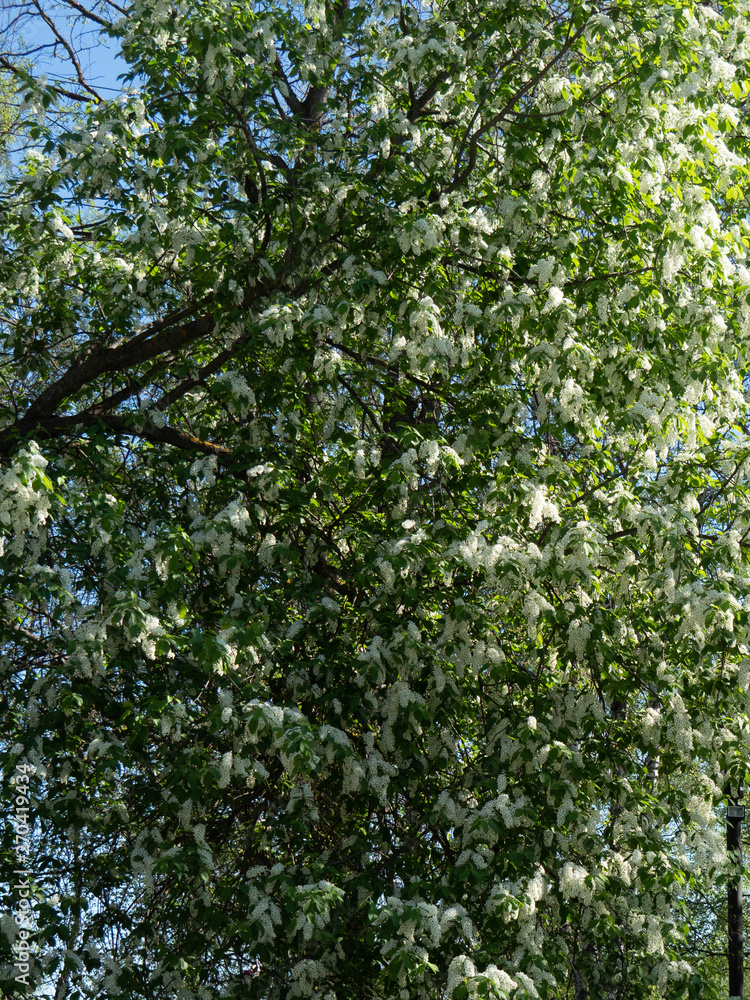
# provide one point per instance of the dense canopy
(374, 510)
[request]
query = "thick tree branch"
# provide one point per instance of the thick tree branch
(131, 426)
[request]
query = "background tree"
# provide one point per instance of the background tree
(374, 500)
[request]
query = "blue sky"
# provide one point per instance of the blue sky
(98, 54)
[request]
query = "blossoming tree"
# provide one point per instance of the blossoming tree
(374, 503)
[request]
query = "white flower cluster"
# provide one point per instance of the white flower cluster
(576, 882)
(493, 982)
(25, 500)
